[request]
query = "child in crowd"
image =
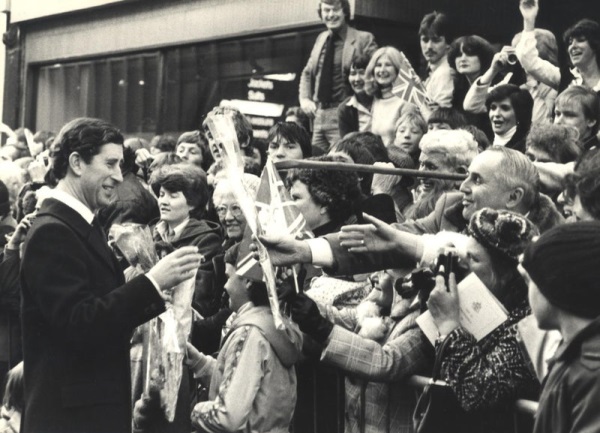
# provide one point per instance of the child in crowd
(252, 382)
(562, 273)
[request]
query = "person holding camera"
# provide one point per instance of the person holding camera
(488, 375)
(532, 51)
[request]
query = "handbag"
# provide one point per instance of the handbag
(438, 409)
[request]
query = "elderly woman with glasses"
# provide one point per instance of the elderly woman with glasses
(228, 209)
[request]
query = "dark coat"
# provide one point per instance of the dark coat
(11, 352)
(569, 400)
(348, 116)
(78, 316)
(205, 235)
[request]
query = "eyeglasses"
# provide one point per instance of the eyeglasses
(235, 210)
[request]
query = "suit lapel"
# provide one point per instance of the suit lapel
(85, 231)
(318, 47)
(348, 52)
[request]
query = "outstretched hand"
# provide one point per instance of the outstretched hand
(376, 236)
(284, 250)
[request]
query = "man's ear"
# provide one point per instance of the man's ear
(591, 123)
(76, 163)
(514, 198)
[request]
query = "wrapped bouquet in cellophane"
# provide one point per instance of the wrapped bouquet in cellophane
(161, 342)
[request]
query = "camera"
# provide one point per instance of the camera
(513, 59)
(449, 260)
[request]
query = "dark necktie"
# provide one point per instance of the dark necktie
(99, 229)
(326, 80)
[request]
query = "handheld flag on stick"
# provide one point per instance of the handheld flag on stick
(277, 213)
(222, 129)
(409, 86)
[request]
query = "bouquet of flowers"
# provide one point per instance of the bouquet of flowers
(164, 337)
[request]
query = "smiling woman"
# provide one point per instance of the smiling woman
(380, 77)
(510, 109)
(182, 194)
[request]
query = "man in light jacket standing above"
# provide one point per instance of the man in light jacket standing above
(324, 80)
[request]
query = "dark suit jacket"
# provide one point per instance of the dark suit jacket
(78, 316)
(356, 42)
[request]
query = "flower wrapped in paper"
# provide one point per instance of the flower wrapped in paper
(223, 132)
(164, 337)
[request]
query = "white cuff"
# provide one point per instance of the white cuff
(322, 255)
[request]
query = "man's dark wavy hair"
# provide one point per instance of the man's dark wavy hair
(85, 136)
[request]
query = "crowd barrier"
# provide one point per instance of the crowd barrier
(524, 409)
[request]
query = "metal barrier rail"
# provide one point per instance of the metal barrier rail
(365, 168)
(526, 407)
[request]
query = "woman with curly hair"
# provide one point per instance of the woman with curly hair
(328, 199)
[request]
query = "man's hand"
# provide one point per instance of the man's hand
(176, 267)
(443, 304)
(309, 107)
(20, 232)
(375, 237)
(147, 411)
(284, 250)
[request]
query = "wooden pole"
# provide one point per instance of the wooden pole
(365, 168)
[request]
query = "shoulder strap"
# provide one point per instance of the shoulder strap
(439, 356)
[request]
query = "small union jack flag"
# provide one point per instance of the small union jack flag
(410, 87)
(277, 213)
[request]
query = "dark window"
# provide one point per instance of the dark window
(126, 90)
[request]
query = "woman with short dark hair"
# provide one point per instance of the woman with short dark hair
(510, 109)
(182, 194)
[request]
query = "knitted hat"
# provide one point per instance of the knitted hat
(565, 265)
(504, 232)
(4, 200)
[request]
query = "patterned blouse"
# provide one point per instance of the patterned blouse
(488, 376)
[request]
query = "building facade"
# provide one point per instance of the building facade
(156, 66)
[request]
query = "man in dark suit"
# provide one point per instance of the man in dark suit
(324, 80)
(78, 314)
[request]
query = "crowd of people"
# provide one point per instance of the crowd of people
(507, 143)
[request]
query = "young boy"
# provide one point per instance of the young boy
(252, 383)
(562, 270)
